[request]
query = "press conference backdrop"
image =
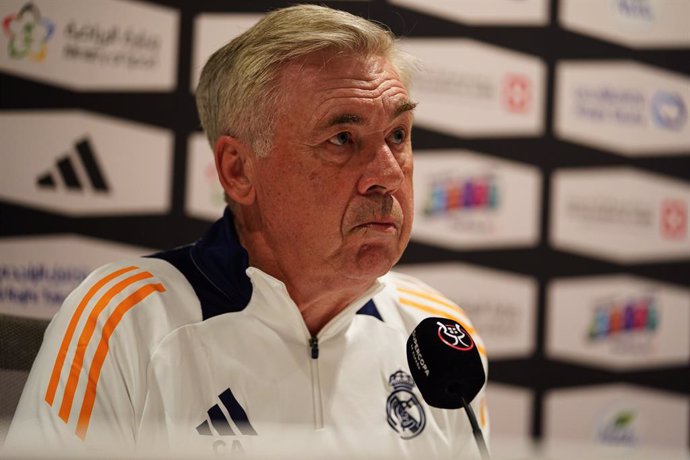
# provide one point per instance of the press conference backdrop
(552, 182)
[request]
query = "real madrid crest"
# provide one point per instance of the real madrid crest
(405, 413)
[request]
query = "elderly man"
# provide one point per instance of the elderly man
(283, 323)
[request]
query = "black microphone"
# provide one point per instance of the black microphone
(446, 366)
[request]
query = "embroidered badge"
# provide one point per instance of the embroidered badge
(405, 413)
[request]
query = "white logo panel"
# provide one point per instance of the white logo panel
(37, 273)
(500, 305)
(469, 200)
(212, 31)
(622, 416)
(87, 45)
(635, 23)
(84, 164)
(205, 199)
(521, 12)
(623, 107)
(618, 321)
(468, 88)
(620, 214)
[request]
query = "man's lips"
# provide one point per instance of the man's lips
(380, 225)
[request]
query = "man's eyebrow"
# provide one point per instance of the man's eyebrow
(404, 106)
(352, 119)
(344, 119)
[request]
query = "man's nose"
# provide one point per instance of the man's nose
(383, 172)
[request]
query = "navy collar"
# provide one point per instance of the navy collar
(216, 267)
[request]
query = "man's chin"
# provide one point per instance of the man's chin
(375, 260)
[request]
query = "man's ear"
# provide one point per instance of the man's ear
(235, 169)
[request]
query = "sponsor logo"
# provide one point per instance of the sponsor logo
(404, 412)
(99, 168)
(619, 428)
(482, 90)
(37, 273)
(633, 214)
(466, 199)
(623, 107)
(111, 46)
(217, 423)
(610, 210)
(118, 45)
(454, 336)
(620, 213)
(446, 196)
(618, 322)
(627, 107)
(82, 159)
(469, 86)
(611, 105)
(635, 9)
(668, 110)
(28, 33)
(38, 286)
(495, 318)
(629, 326)
(517, 93)
(674, 219)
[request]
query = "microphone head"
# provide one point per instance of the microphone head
(445, 363)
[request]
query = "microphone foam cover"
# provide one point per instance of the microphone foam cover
(445, 363)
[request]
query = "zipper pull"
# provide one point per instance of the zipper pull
(314, 346)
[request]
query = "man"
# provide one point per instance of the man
(282, 324)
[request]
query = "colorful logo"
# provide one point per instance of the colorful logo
(517, 93)
(624, 317)
(449, 195)
(28, 33)
(404, 412)
(454, 336)
(619, 428)
(668, 110)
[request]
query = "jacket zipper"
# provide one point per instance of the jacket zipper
(316, 384)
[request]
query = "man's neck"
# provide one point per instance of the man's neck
(318, 299)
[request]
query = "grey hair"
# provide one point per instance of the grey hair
(238, 90)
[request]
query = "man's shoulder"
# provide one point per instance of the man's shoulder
(413, 300)
(141, 298)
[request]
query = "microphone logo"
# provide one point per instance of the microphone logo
(454, 336)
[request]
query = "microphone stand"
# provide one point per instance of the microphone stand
(476, 431)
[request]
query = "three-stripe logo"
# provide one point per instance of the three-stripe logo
(221, 423)
(76, 170)
(97, 303)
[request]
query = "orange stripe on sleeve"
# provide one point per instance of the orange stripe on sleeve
(428, 296)
(69, 333)
(443, 314)
(85, 337)
(102, 352)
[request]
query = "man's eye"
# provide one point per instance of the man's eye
(397, 136)
(341, 138)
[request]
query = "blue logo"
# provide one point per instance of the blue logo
(404, 412)
(668, 110)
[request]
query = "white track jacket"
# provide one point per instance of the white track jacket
(192, 352)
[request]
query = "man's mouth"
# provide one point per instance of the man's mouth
(380, 225)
